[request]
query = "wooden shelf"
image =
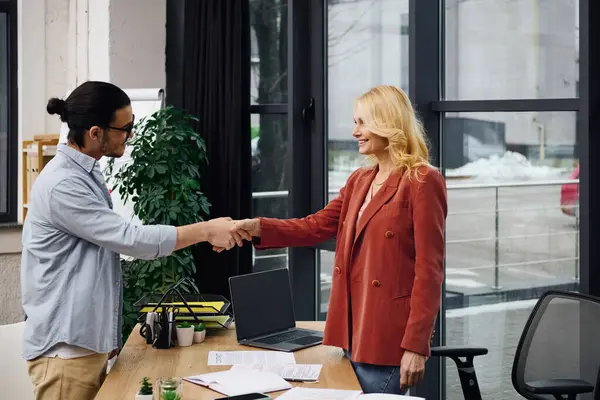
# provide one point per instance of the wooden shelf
(33, 163)
(47, 151)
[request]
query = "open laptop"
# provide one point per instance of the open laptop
(264, 312)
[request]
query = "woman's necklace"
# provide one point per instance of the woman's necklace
(373, 184)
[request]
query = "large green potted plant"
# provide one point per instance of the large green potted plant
(163, 182)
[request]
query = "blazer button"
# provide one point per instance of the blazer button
(389, 234)
(338, 270)
(376, 283)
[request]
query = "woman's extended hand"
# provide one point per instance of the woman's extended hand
(412, 369)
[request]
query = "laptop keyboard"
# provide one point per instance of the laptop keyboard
(282, 337)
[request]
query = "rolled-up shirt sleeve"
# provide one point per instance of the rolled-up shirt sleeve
(75, 209)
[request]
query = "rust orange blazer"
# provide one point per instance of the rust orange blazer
(389, 264)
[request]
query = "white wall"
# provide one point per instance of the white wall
(138, 43)
(63, 43)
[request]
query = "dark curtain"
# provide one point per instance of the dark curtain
(209, 76)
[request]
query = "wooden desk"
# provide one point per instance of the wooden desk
(139, 359)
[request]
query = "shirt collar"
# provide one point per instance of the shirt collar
(86, 162)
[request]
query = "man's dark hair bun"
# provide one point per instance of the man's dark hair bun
(56, 106)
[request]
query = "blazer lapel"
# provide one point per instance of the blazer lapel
(356, 201)
(382, 196)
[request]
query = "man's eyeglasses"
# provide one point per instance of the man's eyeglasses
(127, 128)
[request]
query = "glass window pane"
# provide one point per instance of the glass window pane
(326, 261)
(268, 35)
(512, 231)
(269, 179)
(367, 46)
(4, 107)
(500, 49)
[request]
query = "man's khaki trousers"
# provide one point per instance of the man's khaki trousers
(76, 378)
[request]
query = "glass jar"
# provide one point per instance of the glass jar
(170, 388)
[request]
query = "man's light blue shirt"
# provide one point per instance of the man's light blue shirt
(71, 279)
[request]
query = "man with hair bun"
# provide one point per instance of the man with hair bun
(71, 278)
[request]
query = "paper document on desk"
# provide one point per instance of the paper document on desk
(385, 396)
(289, 372)
(233, 383)
(299, 393)
(250, 358)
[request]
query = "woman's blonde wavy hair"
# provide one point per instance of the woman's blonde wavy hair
(388, 113)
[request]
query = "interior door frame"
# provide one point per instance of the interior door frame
(306, 141)
(426, 85)
(9, 7)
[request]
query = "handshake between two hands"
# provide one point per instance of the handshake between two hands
(225, 233)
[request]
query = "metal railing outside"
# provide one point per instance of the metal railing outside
(496, 211)
(497, 238)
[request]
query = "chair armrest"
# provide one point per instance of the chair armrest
(463, 358)
(559, 386)
(458, 351)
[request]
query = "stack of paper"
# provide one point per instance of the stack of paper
(383, 396)
(289, 372)
(237, 382)
(250, 357)
(299, 393)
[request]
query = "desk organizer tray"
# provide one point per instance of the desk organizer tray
(201, 304)
(209, 321)
(210, 309)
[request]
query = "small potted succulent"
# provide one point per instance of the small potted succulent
(199, 333)
(145, 392)
(185, 334)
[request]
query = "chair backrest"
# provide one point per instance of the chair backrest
(559, 341)
(14, 378)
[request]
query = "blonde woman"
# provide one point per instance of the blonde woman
(389, 262)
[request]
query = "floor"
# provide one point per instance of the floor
(10, 291)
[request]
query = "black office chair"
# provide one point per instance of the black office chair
(558, 355)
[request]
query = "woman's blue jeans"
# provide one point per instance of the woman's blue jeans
(377, 378)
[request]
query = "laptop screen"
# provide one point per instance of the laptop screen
(262, 303)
